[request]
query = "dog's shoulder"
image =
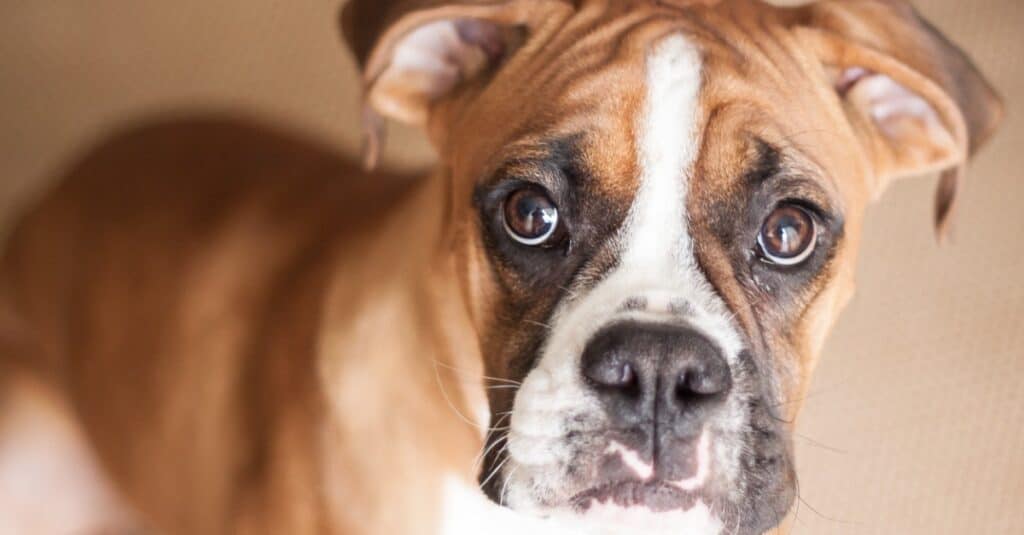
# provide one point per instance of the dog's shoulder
(173, 228)
(195, 172)
(185, 256)
(177, 189)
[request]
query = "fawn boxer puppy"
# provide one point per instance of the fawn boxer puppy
(610, 293)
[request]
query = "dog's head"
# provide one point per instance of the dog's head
(655, 209)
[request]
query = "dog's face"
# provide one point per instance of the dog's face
(655, 211)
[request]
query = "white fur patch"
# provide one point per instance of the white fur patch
(609, 519)
(50, 480)
(466, 511)
(657, 264)
(643, 470)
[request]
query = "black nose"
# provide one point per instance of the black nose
(650, 372)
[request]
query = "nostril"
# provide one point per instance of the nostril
(703, 381)
(618, 375)
(627, 377)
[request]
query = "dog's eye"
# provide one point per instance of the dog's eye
(530, 215)
(787, 236)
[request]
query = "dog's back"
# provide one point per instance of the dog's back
(168, 287)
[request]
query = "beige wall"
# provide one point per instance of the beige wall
(914, 424)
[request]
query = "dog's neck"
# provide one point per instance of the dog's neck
(411, 322)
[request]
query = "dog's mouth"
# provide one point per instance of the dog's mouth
(682, 481)
(646, 486)
(595, 442)
(658, 496)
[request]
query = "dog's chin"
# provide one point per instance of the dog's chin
(633, 496)
(626, 509)
(699, 505)
(654, 496)
(651, 507)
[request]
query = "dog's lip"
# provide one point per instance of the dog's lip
(657, 494)
(647, 488)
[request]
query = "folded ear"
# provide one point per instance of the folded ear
(915, 99)
(415, 52)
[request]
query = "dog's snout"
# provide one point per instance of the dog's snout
(645, 371)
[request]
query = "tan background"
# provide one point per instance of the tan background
(914, 425)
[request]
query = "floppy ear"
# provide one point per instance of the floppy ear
(415, 52)
(914, 98)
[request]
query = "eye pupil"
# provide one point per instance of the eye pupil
(787, 236)
(530, 216)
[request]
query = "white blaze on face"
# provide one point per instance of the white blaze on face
(656, 264)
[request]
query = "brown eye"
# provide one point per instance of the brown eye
(531, 217)
(787, 236)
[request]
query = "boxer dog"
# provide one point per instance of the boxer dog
(599, 314)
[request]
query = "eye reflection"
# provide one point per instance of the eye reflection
(530, 216)
(787, 236)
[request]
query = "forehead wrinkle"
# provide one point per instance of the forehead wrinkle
(798, 174)
(737, 124)
(548, 69)
(786, 172)
(806, 161)
(586, 45)
(766, 163)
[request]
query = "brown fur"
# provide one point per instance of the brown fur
(259, 338)
(190, 354)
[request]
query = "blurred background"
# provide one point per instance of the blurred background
(915, 422)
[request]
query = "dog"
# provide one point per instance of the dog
(598, 314)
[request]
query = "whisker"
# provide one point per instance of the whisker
(538, 323)
(504, 487)
(483, 454)
(444, 393)
(821, 445)
(500, 417)
(801, 500)
(830, 519)
(823, 389)
(492, 429)
(494, 472)
(502, 381)
(796, 511)
(788, 402)
(474, 375)
(572, 295)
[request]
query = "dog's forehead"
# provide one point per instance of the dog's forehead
(588, 83)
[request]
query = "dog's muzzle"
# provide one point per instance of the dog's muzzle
(651, 414)
(659, 385)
